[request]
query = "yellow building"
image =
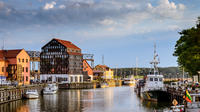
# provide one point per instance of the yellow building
(108, 74)
(103, 71)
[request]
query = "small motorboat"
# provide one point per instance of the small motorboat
(177, 108)
(31, 94)
(50, 89)
(104, 85)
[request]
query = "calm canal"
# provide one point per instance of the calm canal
(113, 99)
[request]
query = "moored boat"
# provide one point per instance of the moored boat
(129, 81)
(32, 94)
(50, 89)
(104, 85)
(153, 84)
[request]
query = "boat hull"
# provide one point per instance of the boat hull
(31, 96)
(49, 92)
(155, 96)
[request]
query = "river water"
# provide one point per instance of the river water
(113, 99)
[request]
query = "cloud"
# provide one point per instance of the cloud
(62, 6)
(49, 5)
(103, 18)
(166, 9)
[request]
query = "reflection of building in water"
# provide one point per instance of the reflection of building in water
(50, 101)
(15, 106)
(88, 97)
(74, 100)
(33, 105)
(108, 99)
(23, 108)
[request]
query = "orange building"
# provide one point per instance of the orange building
(87, 69)
(15, 65)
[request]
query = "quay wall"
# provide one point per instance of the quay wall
(88, 85)
(16, 93)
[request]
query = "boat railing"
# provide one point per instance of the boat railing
(195, 101)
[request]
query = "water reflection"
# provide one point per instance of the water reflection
(116, 99)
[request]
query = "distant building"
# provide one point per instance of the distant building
(61, 61)
(103, 71)
(15, 66)
(87, 70)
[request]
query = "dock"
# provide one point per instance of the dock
(16, 93)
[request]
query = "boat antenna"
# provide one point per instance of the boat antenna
(155, 61)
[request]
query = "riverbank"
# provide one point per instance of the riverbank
(10, 93)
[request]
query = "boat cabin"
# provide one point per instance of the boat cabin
(154, 82)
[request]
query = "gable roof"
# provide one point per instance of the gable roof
(67, 43)
(9, 53)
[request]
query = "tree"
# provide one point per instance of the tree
(187, 49)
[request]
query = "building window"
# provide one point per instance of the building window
(151, 79)
(71, 79)
(80, 78)
(2, 69)
(160, 79)
(26, 69)
(23, 69)
(26, 60)
(19, 60)
(23, 60)
(76, 79)
(26, 78)
(156, 79)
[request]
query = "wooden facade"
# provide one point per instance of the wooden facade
(54, 59)
(61, 58)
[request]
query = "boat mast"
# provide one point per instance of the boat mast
(155, 61)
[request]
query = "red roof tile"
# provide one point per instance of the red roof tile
(9, 53)
(67, 44)
(74, 53)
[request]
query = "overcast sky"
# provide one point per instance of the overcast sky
(121, 30)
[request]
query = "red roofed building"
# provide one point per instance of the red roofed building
(61, 61)
(15, 65)
(87, 69)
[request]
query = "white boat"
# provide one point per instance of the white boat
(104, 85)
(178, 108)
(32, 94)
(50, 89)
(129, 81)
(153, 84)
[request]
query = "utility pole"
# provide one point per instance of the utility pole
(102, 59)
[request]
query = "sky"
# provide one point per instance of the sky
(122, 31)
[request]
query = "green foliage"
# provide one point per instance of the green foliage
(187, 49)
(126, 72)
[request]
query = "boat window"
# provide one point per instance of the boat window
(151, 79)
(156, 79)
(160, 79)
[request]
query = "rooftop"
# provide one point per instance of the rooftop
(9, 53)
(67, 43)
